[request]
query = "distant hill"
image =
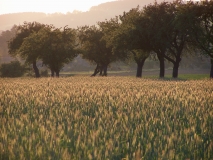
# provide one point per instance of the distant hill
(8, 20)
(96, 13)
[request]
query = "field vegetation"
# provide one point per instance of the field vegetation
(105, 118)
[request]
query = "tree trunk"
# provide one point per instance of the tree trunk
(211, 71)
(176, 67)
(140, 68)
(57, 74)
(35, 68)
(175, 70)
(97, 70)
(105, 70)
(52, 73)
(162, 66)
(101, 70)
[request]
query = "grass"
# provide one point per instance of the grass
(153, 74)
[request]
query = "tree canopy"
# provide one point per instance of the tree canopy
(203, 28)
(53, 46)
(59, 48)
(93, 41)
(166, 29)
(24, 31)
(130, 38)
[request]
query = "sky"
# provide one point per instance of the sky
(47, 6)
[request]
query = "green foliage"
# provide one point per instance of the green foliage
(30, 55)
(167, 28)
(57, 47)
(93, 43)
(23, 31)
(203, 28)
(157, 19)
(93, 47)
(131, 34)
(130, 38)
(53, 46)
(12, 69)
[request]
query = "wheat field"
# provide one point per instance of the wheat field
(100, 118)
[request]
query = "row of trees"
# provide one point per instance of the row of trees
(165, 31)
(169, 30)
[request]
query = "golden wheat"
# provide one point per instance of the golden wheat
(105, 118)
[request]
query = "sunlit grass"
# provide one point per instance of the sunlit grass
(105, 118)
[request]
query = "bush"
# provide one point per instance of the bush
(44, 73)
(12, 69)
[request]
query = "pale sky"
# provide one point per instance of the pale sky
(47, 6)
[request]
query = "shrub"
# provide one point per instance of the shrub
(44, 73)
(12, 69)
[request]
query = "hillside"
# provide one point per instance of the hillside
(96, 13)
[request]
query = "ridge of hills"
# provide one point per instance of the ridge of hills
(76, 18)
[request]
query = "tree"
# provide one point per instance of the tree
(60, 48)
(108, 27)
(180, 34)
(170, 32)
(157, 19)
(23, 31)
(93, 49)
(53, 46)
(94, 46)
(130, 38)
(203, 28)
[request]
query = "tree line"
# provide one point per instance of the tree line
(165, 31)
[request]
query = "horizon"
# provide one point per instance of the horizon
(62, 6)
